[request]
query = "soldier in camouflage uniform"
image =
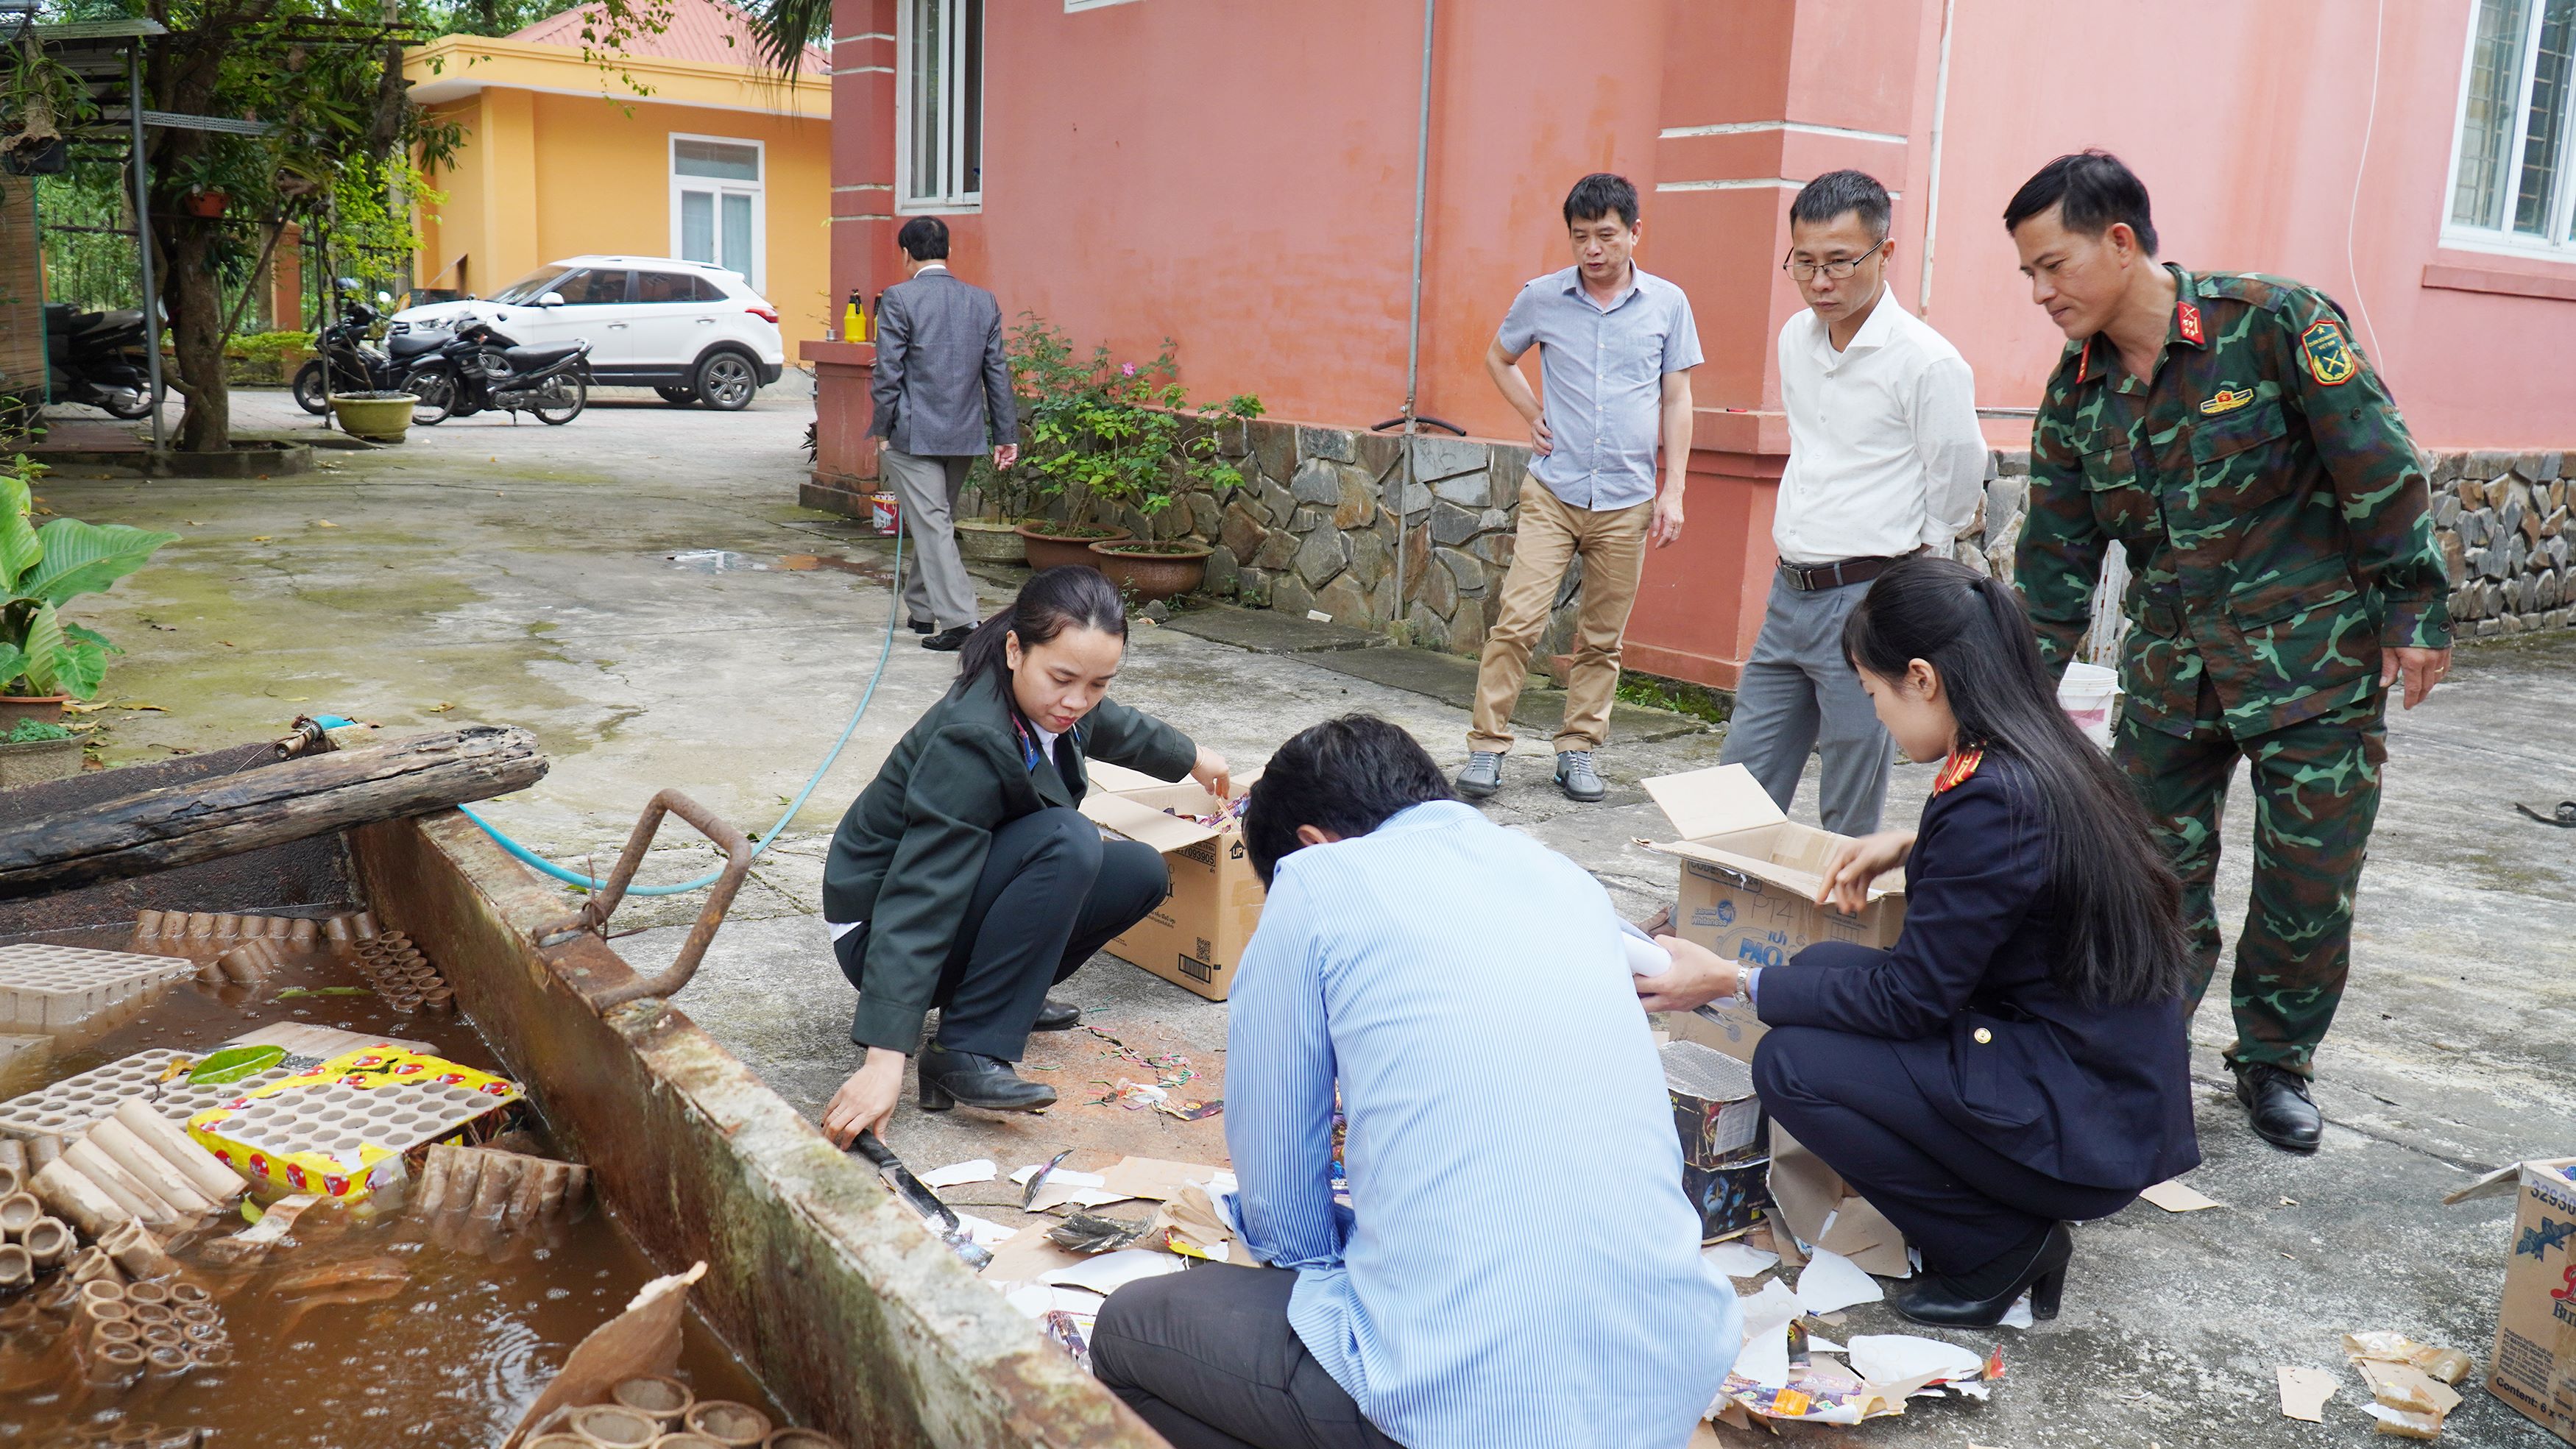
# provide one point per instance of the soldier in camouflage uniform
(2225, 430)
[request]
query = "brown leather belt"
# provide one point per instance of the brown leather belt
(1807, 578)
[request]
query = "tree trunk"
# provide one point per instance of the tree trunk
(194, 296)
(155, 830)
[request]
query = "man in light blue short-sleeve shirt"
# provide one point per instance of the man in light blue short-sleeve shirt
(1615, 350)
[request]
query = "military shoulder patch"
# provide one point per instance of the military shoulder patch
(2228, 400)
(2187, 322)
(2330, 359)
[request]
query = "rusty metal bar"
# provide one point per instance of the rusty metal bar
(594, 914)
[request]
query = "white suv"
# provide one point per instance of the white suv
(691, 331)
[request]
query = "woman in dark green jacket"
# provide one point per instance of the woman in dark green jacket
(963, 878)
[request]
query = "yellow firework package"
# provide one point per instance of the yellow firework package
(332, 1130)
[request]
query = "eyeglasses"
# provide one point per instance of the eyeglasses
(1840, 269)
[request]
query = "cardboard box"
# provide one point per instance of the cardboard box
(2534, 1368)
(1749, 878)
(1724, 1164)
(1195, 938)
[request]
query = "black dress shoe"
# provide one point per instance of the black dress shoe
(949, 641)
(919, 626)
(948, 1078)
(1057, 1016)
(1981, 1299)
(2277, 1103)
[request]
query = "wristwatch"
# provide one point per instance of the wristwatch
(1744, 985)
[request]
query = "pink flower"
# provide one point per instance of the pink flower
(1127, 370)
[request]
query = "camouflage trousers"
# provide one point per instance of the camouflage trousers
(2316, 794)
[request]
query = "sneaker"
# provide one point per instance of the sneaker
(1575, 776)
(1483, 775)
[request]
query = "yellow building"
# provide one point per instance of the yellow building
(717, 160)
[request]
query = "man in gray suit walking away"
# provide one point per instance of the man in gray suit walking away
(941, 382)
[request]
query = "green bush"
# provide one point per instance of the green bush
(1124, 432)
(272, 344)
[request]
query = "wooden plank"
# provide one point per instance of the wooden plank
(22, 291)
(293, 800)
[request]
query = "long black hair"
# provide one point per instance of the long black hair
(2120, 900)
(1052, 601)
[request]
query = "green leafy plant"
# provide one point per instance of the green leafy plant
(42, 569)
(234, 1064)
(271, 344)
(30, 731)
(1123, 433)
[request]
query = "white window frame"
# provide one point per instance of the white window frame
(1070, 6)
(957, 199)
(2500, 239)
(758, 190)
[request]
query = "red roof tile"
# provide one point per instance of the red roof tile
(698, 31)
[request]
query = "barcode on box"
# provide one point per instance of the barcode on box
(1197, 970)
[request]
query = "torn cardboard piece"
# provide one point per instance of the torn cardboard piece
(643, 1340)
(2176, 1196)
(1157, 1178)
(2304, 1392)
(1831, 1282)
(2404, 1386)
(1821, 1211)
(1026, 1256)
(959, 1174)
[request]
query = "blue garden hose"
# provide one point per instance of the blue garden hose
(590, 883)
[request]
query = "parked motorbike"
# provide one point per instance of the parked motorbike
(478, 368)
(97, 358)
(357, 364)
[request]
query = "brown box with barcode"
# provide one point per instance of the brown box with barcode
(2535, 1344)
(1195, 938)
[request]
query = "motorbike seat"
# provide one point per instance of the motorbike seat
(531, 358)
(413, 344)
(99, 322)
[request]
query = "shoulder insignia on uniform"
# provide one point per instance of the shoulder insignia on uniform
(2228, 400)
(1956, 770)
(2330, 359)
(2187, 319)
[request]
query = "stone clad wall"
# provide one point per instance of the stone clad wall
(1312, 529)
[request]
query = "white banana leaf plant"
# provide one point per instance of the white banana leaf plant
(41, 569)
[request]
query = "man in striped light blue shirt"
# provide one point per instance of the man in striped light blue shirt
(1517, 1265)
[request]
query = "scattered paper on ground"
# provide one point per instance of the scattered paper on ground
(1025, 1255)
(2304, 1392)
(1738, 1259)
(1063, 1175)
(2019, 1316)
(2405, 1423)
(986, 1233)
(959, 1174)
(1832, 1282)
(1887, 1358)
(1110, 1272)
(2175, 1196)
(2404, 1386)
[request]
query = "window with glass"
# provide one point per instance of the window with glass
(2509, 176)
(716, 210)
(942, 100)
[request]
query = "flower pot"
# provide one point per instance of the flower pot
(1153, 571)
(46, 708)
(1054, 546)
(380, 417)
(988, 541)
(204, 205)
(33, 762)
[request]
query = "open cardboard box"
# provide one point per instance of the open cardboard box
(2534, 1367)
(1195, 938)
(1749, 877)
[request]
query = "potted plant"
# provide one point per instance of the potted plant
(44, 661)
(381, 417)
(994, 540)
(1153, 570)
(1071, 411)
(205, 205)
(34, 751)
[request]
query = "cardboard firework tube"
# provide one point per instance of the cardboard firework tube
(303, 931)
(13, 1180)
(158, 1173)
(496, 1178)
(17, 1210)
(147, 925)
(17, 1267)
(136, 1252)
(437, 1179)
(280, 928)
(89, 1265)
(68, 1193)
(41, 1149)
(227, 926)
(203, 1169)
(201, 925)
(336, 929)
(48, 1242)
(115, 1364)
(112, 1330)
(13, 1153)
(241, 964)
(98, 1291)
(137, 1200)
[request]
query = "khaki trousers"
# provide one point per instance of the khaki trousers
(1551, 534)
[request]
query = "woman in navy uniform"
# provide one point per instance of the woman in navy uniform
(2017, 1060)
(964, 880)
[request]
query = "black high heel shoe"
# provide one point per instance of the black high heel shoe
(948, 1078)
(1981, 1299)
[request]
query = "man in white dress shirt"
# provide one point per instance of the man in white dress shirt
(1885, 459)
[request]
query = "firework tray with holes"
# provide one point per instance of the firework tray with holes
(361, 1121)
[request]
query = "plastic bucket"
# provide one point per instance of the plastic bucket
(2086, 693)
(885, 511)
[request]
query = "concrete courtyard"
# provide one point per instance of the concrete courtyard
(640, 590)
